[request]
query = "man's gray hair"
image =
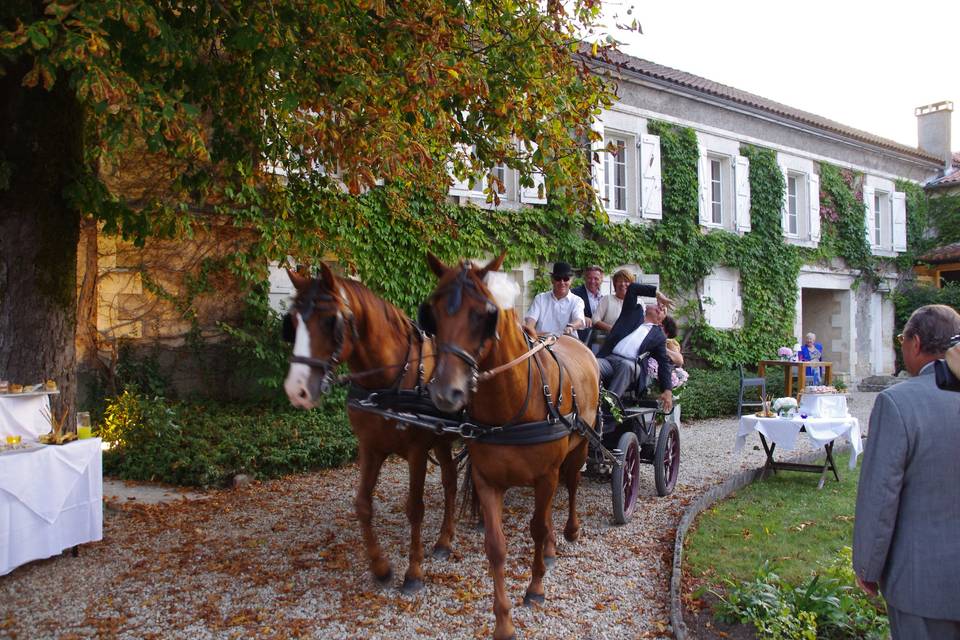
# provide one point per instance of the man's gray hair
(593, 267)
(934, 325)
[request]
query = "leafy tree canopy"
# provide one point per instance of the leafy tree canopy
(231, 93)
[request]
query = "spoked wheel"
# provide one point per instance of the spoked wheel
(625, 483)
(666, 460)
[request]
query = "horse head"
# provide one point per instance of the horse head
(321, 327)
(463, 317)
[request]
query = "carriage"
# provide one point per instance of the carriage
(636, 431)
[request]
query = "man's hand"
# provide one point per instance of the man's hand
(666, 398)
(870, 588)
(664, 301)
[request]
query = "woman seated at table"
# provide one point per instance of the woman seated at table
(609, 310)
(812, 351)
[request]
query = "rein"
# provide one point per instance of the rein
(542, 342)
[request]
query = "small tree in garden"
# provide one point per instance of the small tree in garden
(243, 108)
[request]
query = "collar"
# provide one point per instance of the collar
(926, 369)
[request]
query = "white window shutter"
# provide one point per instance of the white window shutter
(597, 157)
(899, 221)
(868, 212)
(537, 194)
(813, 191)
(651, 195)
(742, 185)
(704, 164)
(784, 200)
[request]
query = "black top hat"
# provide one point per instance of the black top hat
(561, 270)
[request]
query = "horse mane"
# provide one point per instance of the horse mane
(371, 303)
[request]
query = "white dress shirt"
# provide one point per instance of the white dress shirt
(552, 315)
(629, 347)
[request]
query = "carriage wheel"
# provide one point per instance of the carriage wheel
(666, 460)
(625, 483)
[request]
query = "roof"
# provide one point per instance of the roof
(696, 84)
(952, 177)
(940, 255)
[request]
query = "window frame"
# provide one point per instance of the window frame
(610, 174)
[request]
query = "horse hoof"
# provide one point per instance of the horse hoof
(530, 599)
(385, 579)
(441, 553)
(549, 561)
(411, 586)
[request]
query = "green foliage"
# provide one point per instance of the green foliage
(843, 225)
(828, 605)
(911, 296)
(712, 393)
(143, 372)
(207, 444)
(944, 216)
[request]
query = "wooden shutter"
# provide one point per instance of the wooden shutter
(651, 196)
(537, 194)
(899, 221)
(785, 198)
(597, 157)
(813, 191)
(868, 212)
(704, 165)
(742, 187)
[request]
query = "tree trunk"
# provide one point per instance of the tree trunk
(41, 145)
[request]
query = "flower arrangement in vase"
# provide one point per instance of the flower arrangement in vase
(785, 353)
(784, 406)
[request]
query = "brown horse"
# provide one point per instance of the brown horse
(339, 320)
(537, 400)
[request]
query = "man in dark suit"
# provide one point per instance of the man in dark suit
(589, 292)
(906, 536)
(637, 331)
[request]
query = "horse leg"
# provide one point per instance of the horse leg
(495, 544)
(543, 495)
(448, 476)
(574, 463)
(370, 463)
(417, 464)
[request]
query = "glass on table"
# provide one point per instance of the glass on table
(84, 430)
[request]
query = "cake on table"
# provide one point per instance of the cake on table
(823, 402)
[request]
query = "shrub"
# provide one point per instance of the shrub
(206, 444)
(712, 393)
(828, 606)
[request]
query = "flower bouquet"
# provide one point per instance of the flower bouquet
(785, 353)
(783, 406)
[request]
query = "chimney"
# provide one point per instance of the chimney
(933, 131)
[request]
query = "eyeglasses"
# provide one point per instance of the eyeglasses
(901, 338)
(559, 278)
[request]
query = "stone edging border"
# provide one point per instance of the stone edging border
(705, 501)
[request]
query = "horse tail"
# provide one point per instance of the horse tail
(470, 503)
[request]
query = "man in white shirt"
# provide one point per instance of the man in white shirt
(632, 335)
(557, 311)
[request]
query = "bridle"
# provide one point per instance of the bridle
(305, 305)
(455, 291)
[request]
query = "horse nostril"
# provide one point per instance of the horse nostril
(303, 393)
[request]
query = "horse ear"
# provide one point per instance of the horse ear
(425, 318)
(299, 281)
(436, 265)
(327, 277)
(493, 265)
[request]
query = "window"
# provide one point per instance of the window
(878, 198)
(792, 208)
(716, 191)
(615, 172)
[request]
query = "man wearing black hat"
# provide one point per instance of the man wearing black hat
(558, 311)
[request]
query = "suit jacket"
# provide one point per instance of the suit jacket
(581, 292)
(907, 530)
(630, 318)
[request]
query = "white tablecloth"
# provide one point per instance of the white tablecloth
(23, 415)
(823, 405)
(783, 432)
(51, 499)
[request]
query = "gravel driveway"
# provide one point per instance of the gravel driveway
(284, 559)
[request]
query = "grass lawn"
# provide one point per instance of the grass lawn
(784, 520)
